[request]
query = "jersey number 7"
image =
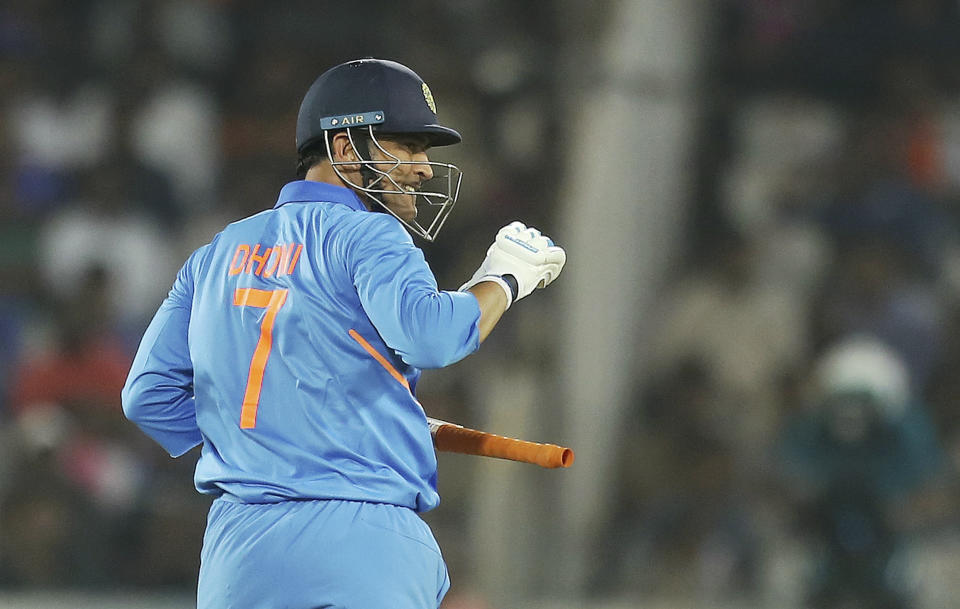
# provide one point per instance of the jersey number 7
(271, 300)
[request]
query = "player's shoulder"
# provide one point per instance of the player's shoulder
(379, 225)
(198, 259)
(248, 222)
(359, 231)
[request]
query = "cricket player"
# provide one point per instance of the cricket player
(290, 348)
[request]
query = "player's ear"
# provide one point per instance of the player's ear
(343, 152)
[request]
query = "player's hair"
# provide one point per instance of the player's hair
(316, 153)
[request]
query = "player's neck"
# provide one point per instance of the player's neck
(324, 172)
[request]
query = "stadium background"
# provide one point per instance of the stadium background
(738, 184)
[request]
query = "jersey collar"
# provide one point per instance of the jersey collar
(307, 191)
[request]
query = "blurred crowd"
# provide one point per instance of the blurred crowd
(803, 387)
(799, 427)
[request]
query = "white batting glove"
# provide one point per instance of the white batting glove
(520, 260)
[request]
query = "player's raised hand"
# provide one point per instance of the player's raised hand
(520, 260)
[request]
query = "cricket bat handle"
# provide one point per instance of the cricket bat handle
(449, 437)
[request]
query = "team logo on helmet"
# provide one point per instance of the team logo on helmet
(427, 95)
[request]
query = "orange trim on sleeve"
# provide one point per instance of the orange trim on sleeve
(380, 358)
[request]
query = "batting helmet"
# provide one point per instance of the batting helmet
(376, 96)
(378, 93)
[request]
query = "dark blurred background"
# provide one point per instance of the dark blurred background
(753, 351)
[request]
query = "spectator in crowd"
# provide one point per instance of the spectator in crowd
(683, 519)
(79, 470)
(863, 447)
(747, 334)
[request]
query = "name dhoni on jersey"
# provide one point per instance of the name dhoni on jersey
(276, 260)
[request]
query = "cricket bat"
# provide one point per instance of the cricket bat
(448, 437)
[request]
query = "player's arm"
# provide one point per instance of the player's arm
(158, 394)
(426, 326)
(493, 303)
(431, 328)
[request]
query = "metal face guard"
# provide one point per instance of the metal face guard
(439, 193)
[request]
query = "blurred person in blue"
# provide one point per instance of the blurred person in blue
(291, 345)
(853, 462)
(893, 238)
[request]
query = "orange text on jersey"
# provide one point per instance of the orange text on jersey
(277, 260)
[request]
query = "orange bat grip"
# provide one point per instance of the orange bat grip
(455, 439)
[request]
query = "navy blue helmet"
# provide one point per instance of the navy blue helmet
(384, 94)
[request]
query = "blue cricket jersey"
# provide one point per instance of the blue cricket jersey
(290, 347)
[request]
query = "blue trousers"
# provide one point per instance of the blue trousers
(325, 554)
